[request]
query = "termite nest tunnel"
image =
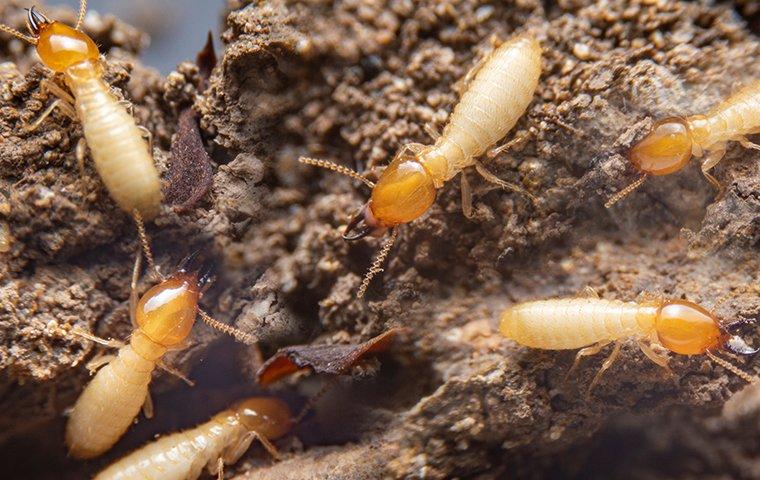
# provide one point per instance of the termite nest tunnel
(351, 82)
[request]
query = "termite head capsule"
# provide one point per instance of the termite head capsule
(404, 192)
(269, 417)
(686, 328)
(58, 45)
(666, 149)
(167, 311)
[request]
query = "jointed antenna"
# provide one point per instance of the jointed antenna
(625, 192)
(82, 12)
(239, 335)
(731, 368)
(337, 168)
(17, 34)
(375, 268)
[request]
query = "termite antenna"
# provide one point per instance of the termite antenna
(337, 168)
(239, 335)
(315, 399)
(145, 243)
(27, 38)
(625, 192)
(731, 367)
(82, 12)
(375, 268)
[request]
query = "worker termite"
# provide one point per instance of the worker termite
(497, 93)
(222, 440)
(163, 318)
(590, 324)
(119, 151)
(673, 141)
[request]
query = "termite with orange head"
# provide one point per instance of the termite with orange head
(498, 91)
(163, 318)
(218, 442)
(590, 324)
(119, 151)
(673, 141)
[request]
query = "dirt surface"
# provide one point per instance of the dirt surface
(351, 81)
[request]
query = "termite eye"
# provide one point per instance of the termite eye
(166, 312)
(666, 149)
(270, 417)
(686, 328)
(60, 46)
(404, 192)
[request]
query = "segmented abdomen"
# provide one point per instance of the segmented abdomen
(493, 102)
(738, 115)
(109, 404)
(118, 149)
(179, 456)
(575, 322)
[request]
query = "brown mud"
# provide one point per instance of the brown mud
(351, 81)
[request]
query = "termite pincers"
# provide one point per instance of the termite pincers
(163, 318)
(118, 148)
(498, 91)
(673, 141)
(218, 442)
(590, 324)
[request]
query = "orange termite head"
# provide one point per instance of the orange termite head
(404, 192)
(666, 149)
(166, 313)
(269, 417)
(688, 329)
(58, 45)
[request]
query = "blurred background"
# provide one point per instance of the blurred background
(176, 27)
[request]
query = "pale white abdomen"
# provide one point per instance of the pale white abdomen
(179, 456)
(575, 322)
(737, 116)
(109, 404)
(118, 149)
(495, 99)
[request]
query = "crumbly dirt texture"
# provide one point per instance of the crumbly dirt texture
(351, 81)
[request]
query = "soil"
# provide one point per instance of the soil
(351, 81)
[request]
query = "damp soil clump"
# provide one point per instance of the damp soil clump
(351, 82)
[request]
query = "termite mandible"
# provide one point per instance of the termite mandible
(673, 141)
(119, 151)
(590, 324)
(218, 442)
(498, 91)
(163, 318)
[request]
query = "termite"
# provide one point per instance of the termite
(119, 151)
(497, 93)
(163, 318)
(673, 141)
(590, 324)
(218, 442)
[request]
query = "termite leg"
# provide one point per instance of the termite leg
(585, 352)
(461, 86)
(589, 292)
(490, 177)
(219, 469)
(175, 372)
(100, 361)
(432, 131)
(519, 138)
(112, 343)
(147, 407)
(148, 136)
(133, 288)
(50, 86)
(713, 157)
(466, 196)
(64, 102)
(81, 154)
(128, 106)
(607, 364)
(747, 144)
(658, 358)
